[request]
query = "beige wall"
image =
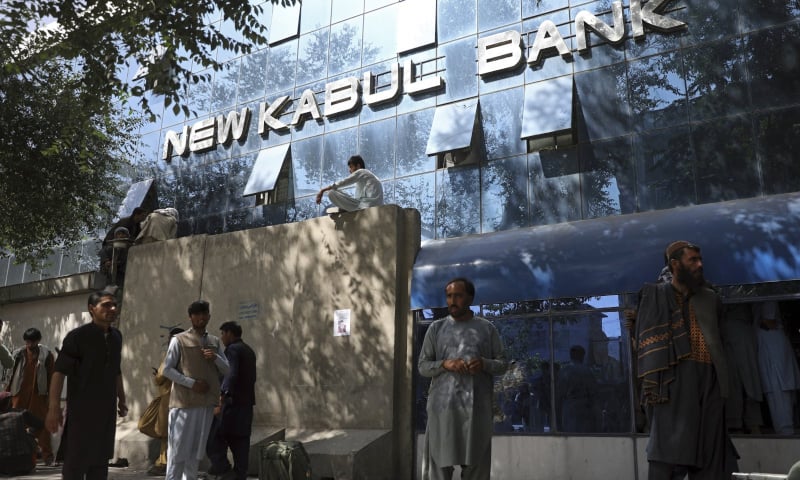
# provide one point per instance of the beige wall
(282, 283)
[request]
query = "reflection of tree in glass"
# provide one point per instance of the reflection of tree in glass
(458, 206)
(416, 192)
(507, 185)
(252, 75)
(345, 49)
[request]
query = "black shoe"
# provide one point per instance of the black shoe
(216, 471)
(157, 471)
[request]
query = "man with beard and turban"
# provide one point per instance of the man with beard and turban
(682, 366)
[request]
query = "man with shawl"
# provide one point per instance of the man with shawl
(681, 362)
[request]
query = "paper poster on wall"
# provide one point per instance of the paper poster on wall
(341, 323)
(247, 311)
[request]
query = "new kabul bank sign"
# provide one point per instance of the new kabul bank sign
(496, 53)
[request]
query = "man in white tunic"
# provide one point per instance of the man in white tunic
(195, 365)
(461, 353)
(369, 191)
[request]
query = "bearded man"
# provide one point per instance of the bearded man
(681, 363)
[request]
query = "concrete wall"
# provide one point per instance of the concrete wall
(283, 284)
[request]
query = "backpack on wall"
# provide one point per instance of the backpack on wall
(282, 460)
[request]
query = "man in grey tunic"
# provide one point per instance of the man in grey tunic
(461, 353)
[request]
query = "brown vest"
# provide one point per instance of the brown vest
(194, 365)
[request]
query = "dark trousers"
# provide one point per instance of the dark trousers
(92, 472)
(231, 430)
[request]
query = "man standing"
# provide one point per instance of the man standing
(233, 424)
(195, 365)
(461, 353)
(369, 191)
(90, 357)
(681, 361)
(30, 384)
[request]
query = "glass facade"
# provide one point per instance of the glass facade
(704, 114)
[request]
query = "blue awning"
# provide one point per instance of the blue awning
(743, 241)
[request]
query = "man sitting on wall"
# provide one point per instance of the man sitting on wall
(369, 191)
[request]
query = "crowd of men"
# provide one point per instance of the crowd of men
(207, 383)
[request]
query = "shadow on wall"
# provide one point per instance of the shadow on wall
(283, 284)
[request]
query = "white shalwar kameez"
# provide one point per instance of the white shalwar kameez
(460, 416)
(369, 191)
(188, 427)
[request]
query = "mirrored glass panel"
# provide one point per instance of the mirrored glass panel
(657, 91)
(591, 389)
(457, 201)
(344, 53)
(496, 13)
(416, 24)
(523, 394)
(314, 14)
(455, 19)
(312, 57)
(780, 169)
(306, 165)
(716, 88)
(772, 63)
(418, 192)
(339, 147)
(303, 209)
(504, 194)
(215, 188)
(281, 63)
(285, 23)
(555, 185)
(223, 93)
(608, 180)
(602, 104)
(343, 9)
(238, 174)
(764, 13)
(376, 145)
(547, 107)
(664, 169)
(460, 70)
(453, 127)
(266, 169)
(532, 8)
(135, 197)
(725, 170)
(252, 76)
(412, 138)
(550, 63)
(501, 117)
(380, 35)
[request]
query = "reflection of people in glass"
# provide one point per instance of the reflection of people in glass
(461, 353)
(369, 191)
(541, 390)
(743, 405)
(612, 390)
(576, 389)
(682, 364)
(777, 364)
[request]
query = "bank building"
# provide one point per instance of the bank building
(547, 149)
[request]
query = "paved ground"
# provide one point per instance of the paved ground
(113, 473)
(54, 473)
